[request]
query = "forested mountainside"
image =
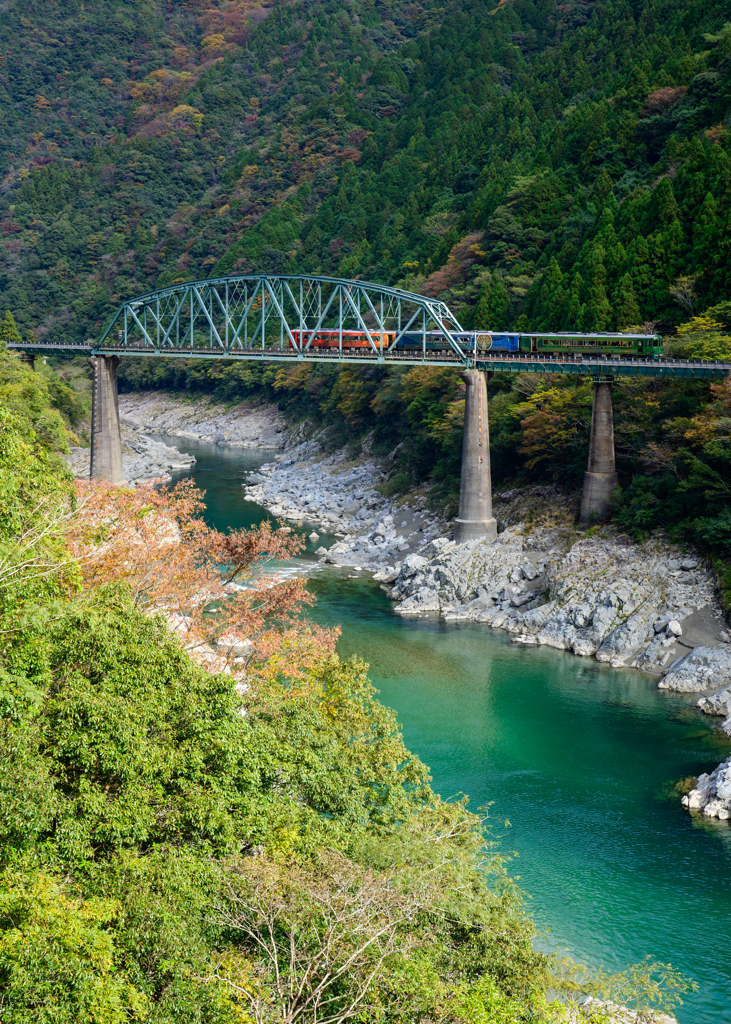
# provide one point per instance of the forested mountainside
(562, 165)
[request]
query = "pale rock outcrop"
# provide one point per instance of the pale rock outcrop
(373, 532)
(601, 595)
(704, 668)
(712, 793)
(602, 1012)
(717, 704)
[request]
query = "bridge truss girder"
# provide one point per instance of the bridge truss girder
(261, 314)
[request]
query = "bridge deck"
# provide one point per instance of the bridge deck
(506, 362)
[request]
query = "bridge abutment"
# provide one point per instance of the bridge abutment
(106, 438)
(600, 478)
(475, 490)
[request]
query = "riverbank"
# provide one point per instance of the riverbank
(598, 594)
(244, 425)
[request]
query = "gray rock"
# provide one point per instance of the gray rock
(717, 704)
(412, 564)
(424, 600)
(712, 793)
(704, 668)
(675, 628)
(624, 641)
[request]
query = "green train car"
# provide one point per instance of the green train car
(639, 346)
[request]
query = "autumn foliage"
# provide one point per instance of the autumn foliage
(210, 586)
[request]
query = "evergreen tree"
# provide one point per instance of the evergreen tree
(705, 234)
(8, 331)
(493, 304)
(638, 263)
(599, 311)
(626, 310)
(549, 296)
(573, 314)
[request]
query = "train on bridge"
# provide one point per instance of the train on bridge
(480, 342)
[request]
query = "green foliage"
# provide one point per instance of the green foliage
(58, 960)
(9, 333)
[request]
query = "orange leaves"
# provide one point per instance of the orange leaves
(208, 585)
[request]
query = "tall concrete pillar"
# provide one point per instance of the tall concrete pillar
(106, 439)
(475, 488)
(29, 358)
(600, 478)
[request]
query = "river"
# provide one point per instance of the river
(578, 757)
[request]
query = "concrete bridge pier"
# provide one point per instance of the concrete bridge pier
(106, 438)
(29, 358)
(475, 490)
(600, 478)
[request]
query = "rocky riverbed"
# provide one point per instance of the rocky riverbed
(245, 425)
(650, 606)
(142, 458)
(339, 496)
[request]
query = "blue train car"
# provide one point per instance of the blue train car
(483, 341)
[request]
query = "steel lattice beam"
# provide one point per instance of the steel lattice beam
(239, 317)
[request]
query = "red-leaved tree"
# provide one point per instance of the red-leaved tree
(211, 587)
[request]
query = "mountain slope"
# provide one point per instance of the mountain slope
(566, 163)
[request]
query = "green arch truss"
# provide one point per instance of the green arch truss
(273, 316)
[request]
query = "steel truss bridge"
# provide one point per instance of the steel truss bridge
(276, 317)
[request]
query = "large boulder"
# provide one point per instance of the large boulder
(626, 640)
(705, 668)
(424, 600)
(412, 564)
(717, 704)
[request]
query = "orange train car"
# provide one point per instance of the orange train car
(330, 338)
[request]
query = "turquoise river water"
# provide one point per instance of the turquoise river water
(577, 756)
